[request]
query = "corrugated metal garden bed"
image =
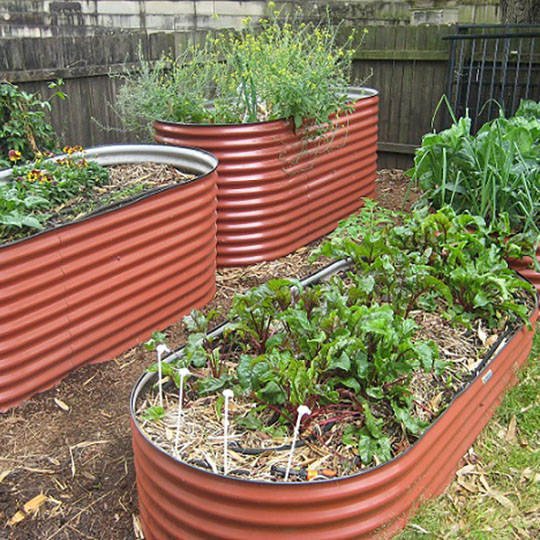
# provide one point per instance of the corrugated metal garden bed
(90, 289)
(202, 497)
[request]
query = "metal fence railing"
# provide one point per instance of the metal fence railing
(492, 66)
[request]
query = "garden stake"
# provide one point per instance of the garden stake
(183, 373)
(302, 410)
(226, 394)
(160, 349)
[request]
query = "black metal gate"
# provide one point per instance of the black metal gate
(492, 66)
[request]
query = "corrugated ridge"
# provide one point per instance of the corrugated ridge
(86, 272)
(101, 258)
(109, 282)
(273, 186)
(523, 266)
(181, 502)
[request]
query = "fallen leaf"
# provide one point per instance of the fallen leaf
(18, 517)
(137, 529)
(526, 474)
(468, 469)
(533, 510)
(4, 475)
(436, 401)
(511, 432)
(499, 497)
(33, 505)
(471, 488)
(491, 340)
(482, 335)
(61, 404)
(418, 528)
(504, 501)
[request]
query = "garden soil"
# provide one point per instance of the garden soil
(66, 463)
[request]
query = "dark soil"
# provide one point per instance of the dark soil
(73, 444)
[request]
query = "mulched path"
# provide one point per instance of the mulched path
(72, 444)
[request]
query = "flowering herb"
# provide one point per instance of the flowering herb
(25, 129)
(282, 69)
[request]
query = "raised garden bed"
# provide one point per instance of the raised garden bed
(90, 289)
(178, 498)
(277, 189)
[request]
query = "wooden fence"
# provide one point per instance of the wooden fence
(406, 64)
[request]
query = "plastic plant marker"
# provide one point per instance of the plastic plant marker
(302, 410)
(227, 394)
(183, 373)
(160, 349)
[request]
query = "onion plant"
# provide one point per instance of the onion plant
(493, 173)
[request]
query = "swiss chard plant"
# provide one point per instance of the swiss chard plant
(348, 348)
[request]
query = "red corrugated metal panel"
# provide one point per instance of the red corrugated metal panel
(90, 290)
(277, 192)
(523, 266)
(179, 501)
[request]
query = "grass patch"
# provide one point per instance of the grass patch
(497, 495)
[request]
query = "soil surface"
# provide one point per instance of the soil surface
(66, 463)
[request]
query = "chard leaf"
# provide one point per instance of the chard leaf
(272, 393)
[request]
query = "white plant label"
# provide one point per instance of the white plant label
(183, 373)
(302, 410)
(227, 394)
(160, 349)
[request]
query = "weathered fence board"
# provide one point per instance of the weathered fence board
(406, 64)
(408, 67)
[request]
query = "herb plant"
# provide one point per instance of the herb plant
(282, 69)
(348, 348)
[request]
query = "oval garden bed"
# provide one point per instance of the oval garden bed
(425, 326)
(86, 290)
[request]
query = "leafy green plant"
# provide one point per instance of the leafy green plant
(281, 69)
(24, 124)
(37, 189)
(348, 348)
(490, 174)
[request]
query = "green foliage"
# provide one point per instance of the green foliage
(36, 189)
(154, 413)
(155, 340)
(457, 260)
(281, 69)
(24, 123)
(493, 173)
(348, 347)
